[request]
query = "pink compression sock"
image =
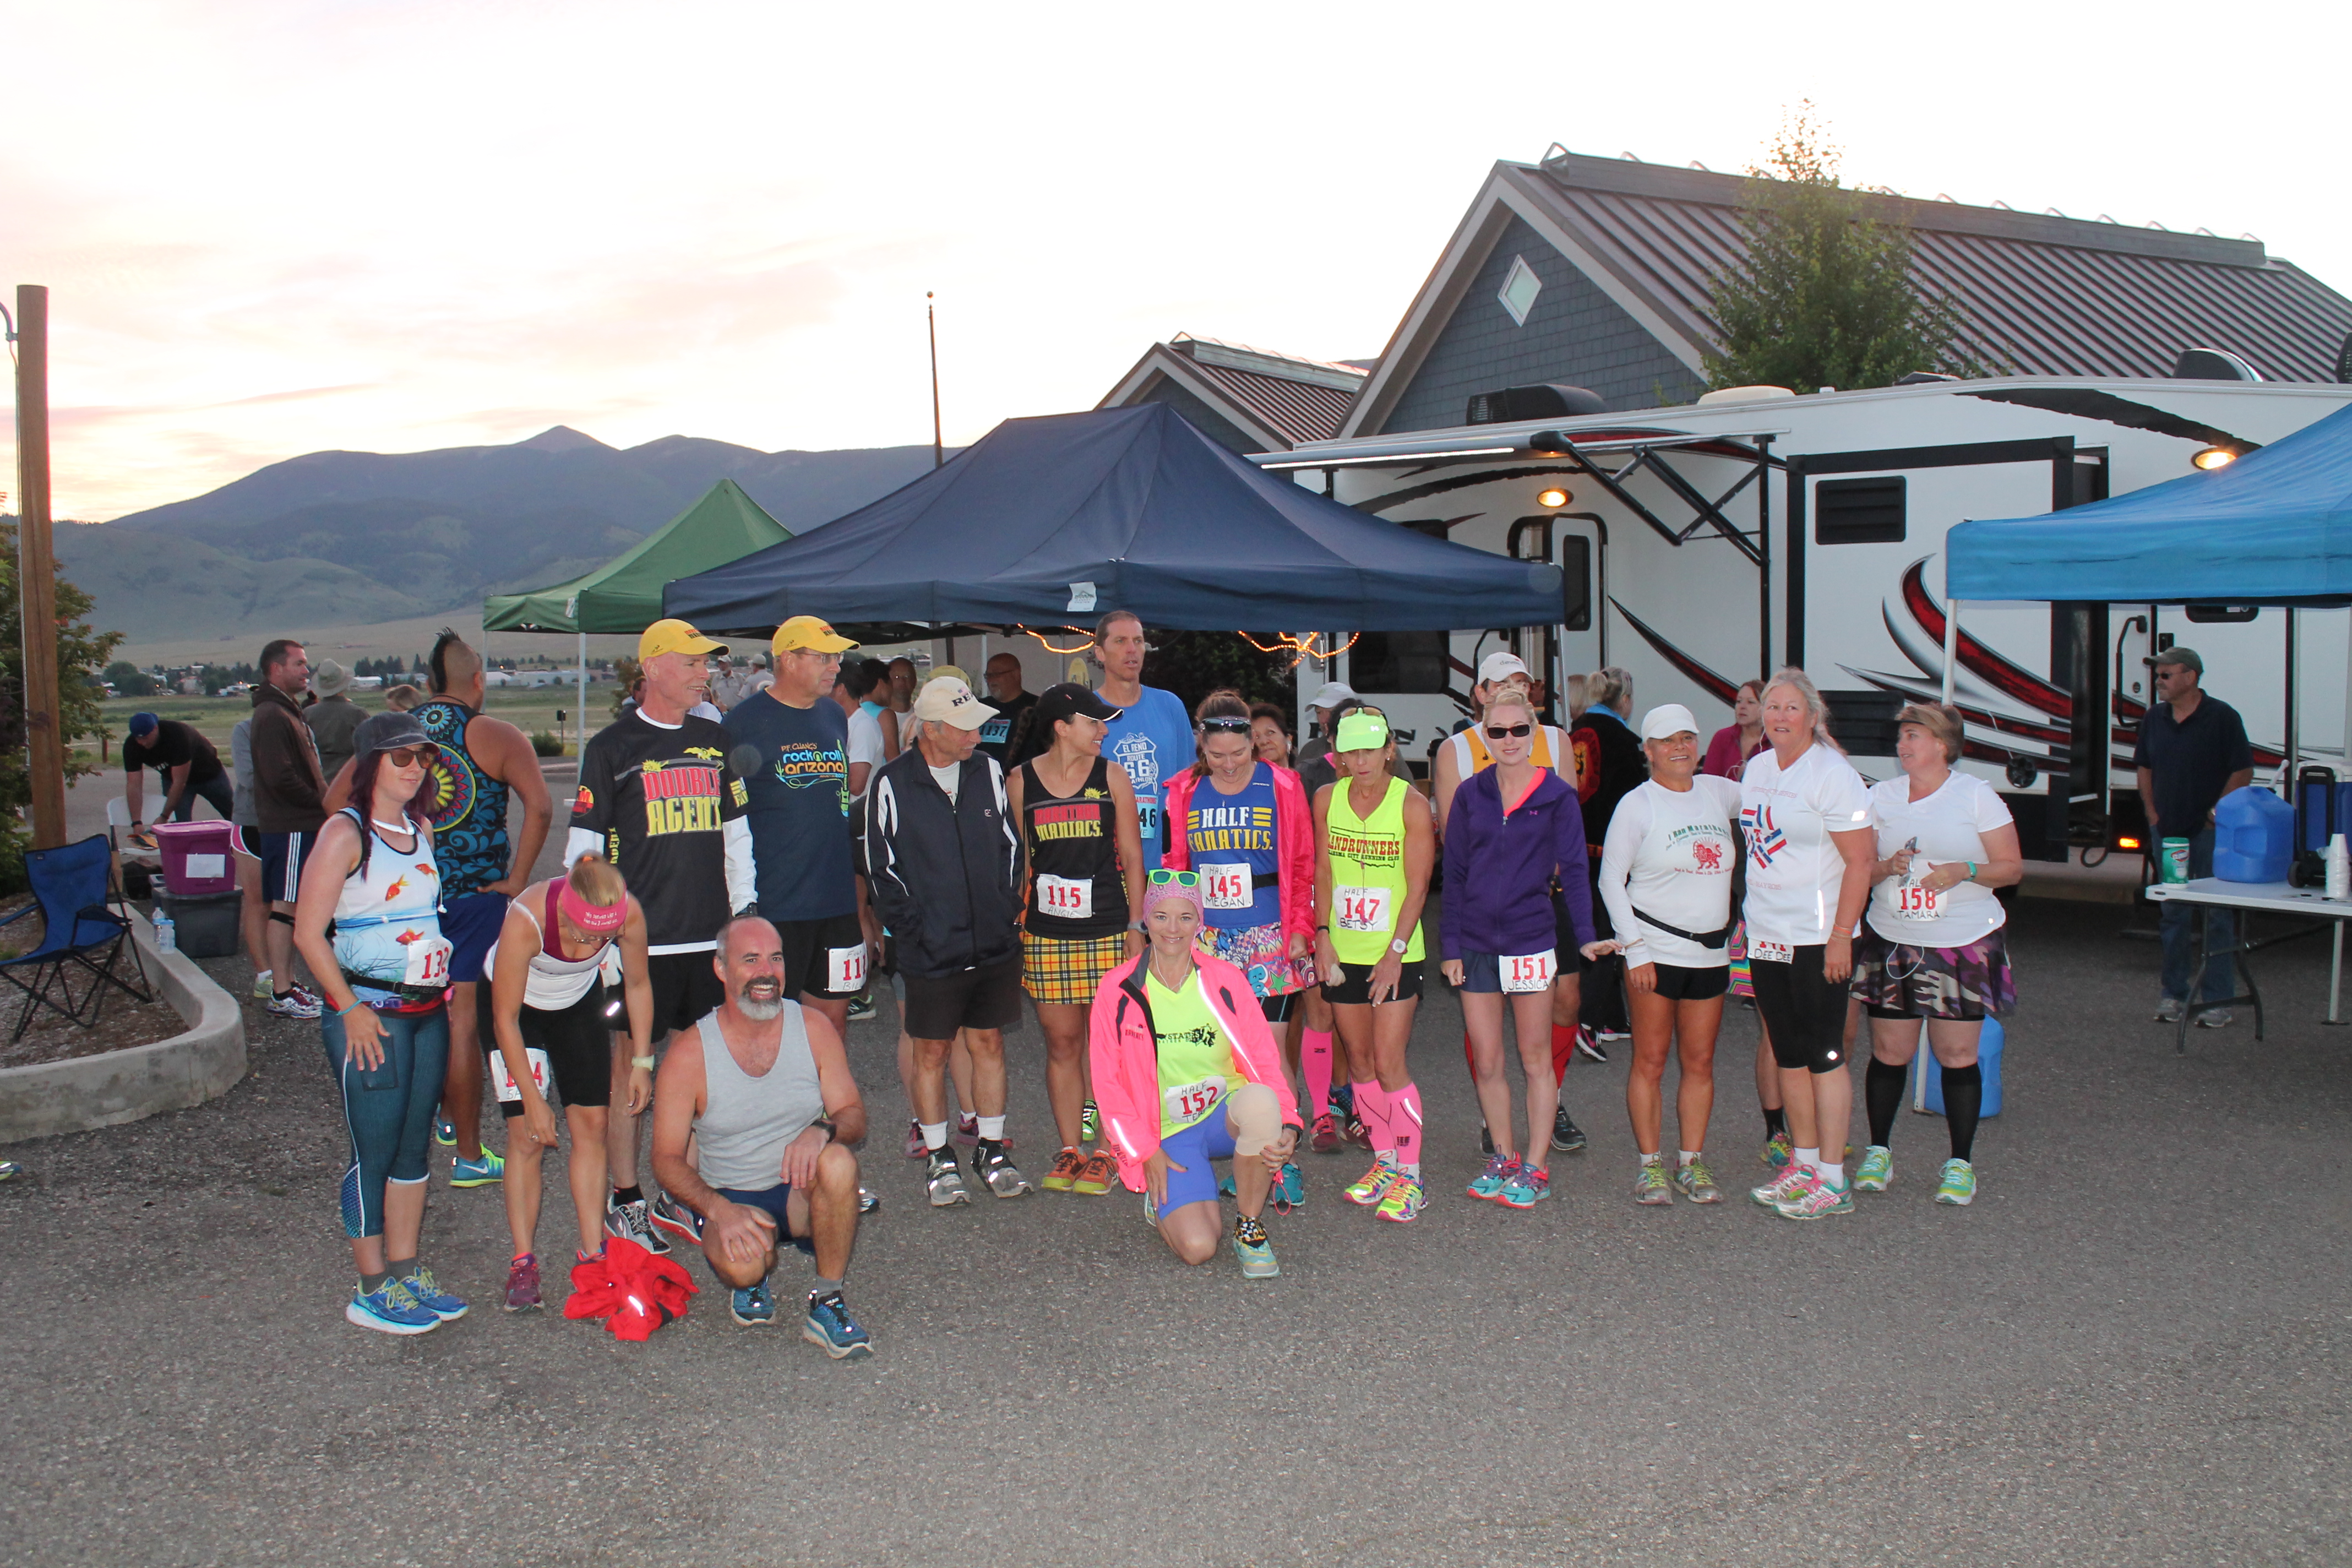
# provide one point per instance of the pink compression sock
(1372, 1110)
(1315, 1063)
(1404, 1121)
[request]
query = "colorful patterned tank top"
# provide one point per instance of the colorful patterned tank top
(466, 806)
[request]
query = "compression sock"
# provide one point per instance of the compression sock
(629, 1195)
(1563, 1050)
(1315, 1064)
(992, 1129)
(1963, 1102)
(1372, 1110)
(1404, 1123)
(1882, 1091)
(1776, 1122)
(934, 1135)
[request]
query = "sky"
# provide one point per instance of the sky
(274, 227)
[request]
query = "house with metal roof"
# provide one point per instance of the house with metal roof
(1596, 273)
(1252, 400)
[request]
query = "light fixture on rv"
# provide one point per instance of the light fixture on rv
(1554, 499)
(2213, 458)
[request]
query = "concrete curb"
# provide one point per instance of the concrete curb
(202, 1062)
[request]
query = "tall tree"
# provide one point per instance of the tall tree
(1826, 298)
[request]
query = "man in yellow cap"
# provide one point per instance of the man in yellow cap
(659, 800)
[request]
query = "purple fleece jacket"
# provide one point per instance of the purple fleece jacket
(1499, 870)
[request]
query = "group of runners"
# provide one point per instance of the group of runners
(1225, 954)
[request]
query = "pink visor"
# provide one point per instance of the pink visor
(596, 919)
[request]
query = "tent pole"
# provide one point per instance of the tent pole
(1308, 685)
(2294, 725)
(584, 692)
(1952, 645)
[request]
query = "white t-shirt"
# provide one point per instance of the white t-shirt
(865, 740)
(1793, 868)
(948, 778)
(1948, 826)
(1670, 853)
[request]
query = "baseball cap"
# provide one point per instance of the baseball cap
(2176, 654)
(924, 678)
(1668, 718)
(1361, 732)
(944, 699)
(1334, 693)
(674, 637)
(1500, 664)
(384, 731)
(810, 633)
(144, 723)
(1070, 699)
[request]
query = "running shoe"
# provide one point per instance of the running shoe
(944, 1181)
(675, 1217)
(1566, 1136)
(2169, 1011)
(1588, 1041)
(866, 1201)
(1225, 1187)
(1374, 1184)
(1611, 1032)
(752, 1307)
(444, 1132)
(1403, 1203)
(390, 1311)
(1096, 1176)
(427, 1293)
(630, 1222)
(831, 1328)
(262, 988)
(1777, 1151)
(998, 1174)
(1791, 1181)
(1090, 1123)
(1526, 1187)
(308, 994)
(490, 1167)
(522, 1285)
(967, 1128)
(1489, 1182)
(10, 1168)
(1649, 1184)
(1256, 1253)
(1877, 1168)
(291, 1005)
(916, 1148)
(1066, 1169)
(1325, 1137)
(1289, 1189)
(1697, 1183)
(2218, 1018)
(1342, 1100)
(862, 1008)
(1958, 1184)
(1819, 1200)
(1355, 1133)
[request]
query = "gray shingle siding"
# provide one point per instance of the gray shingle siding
(1202, 416)
(1574, 334)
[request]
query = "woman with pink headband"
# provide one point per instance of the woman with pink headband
(544, 1016)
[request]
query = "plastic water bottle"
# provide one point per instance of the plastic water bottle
(167, 936)
(2339, 868)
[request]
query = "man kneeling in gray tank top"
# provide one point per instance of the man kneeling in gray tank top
(763, 1089)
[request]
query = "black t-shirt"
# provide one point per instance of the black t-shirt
(173, 744)
(661, 799)
(2191, 760)
(799, 804)
(997, 736)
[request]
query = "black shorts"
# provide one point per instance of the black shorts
(685, 987)
(1804, 1013)
(1567, 963)
(282, 854)
(579, 1049)
(988, 998)
(1679, 985)
(1356, 989)
(472, 923)
(808, 948)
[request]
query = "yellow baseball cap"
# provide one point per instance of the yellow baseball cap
(674, 637)
(810, 633)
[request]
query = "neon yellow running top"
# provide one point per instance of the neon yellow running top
(1196, 1060)
(1368, 875)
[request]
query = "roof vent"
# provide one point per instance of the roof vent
(2211, 364)
(2344, 359)
(1744, 393)
(1550, 401)
(1922, 377)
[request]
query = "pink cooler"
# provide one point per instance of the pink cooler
(197, 858)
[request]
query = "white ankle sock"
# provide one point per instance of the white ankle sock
(1835, 1175)
(993, 1129)
(935, 1134)
(1811, 1157)
(1689, 1157)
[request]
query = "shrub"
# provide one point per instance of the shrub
(546, 744)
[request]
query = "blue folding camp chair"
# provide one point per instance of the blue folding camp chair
(70, 888)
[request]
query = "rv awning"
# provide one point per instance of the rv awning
(2275, 527)
(1052, 521)
(625, 594)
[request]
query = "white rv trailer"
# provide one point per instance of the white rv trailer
(1708, 544)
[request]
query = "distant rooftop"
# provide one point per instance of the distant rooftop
(1267, 399)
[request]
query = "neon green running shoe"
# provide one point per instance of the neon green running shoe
(1876, 1170)
(1375, 1185)
(1958, 1185)
(1649, 1184)
(1404, 1201)
(1090, 1123)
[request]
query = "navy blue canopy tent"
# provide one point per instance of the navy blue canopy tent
(1048, 521)
(2273, 528)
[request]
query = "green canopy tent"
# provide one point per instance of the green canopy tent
(624, 594)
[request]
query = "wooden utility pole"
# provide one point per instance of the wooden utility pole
(37, 569)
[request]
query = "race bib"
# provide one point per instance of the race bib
(1363, 908)
(509, 1091)
(1227, 886)
(1066, 898)
(1530, 973)
(608, 968)
(428, 960)
(1915, 902)
(844, 969)
(1188, 1102)
(1762, 951)
(1146, 814)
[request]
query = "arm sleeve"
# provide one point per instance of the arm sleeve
(1575, 862)
(1626, 830)
(743, 878)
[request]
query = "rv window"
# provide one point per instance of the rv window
(1575, 583)
(1397, 662)
(1858, 511)
(2205, 615)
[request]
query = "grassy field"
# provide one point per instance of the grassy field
(529, 710)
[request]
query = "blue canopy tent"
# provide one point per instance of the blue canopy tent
(1048, 521)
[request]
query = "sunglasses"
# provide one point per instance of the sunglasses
(1500, 731)
(1166, 878)
(1239, 726)
(410, 756)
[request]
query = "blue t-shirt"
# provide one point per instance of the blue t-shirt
(1152, 740)
(1229, 830)
(799, 808)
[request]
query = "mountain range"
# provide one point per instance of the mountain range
(351, 537)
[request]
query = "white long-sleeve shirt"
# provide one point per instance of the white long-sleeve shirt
(1670, 853)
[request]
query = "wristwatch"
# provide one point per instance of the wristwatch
(1398, 946)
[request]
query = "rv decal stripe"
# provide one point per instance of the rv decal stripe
(1715, 686)
(1977, 659)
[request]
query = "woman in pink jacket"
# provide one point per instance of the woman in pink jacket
(1185, 1072)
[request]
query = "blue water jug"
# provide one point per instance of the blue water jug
(2254, 837)
(1930, 1097)
(2327, 807)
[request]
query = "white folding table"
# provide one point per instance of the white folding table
(2250, 899)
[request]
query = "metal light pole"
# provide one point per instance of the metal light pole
(930, 322)
(37, 571)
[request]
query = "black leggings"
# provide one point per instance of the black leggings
(1804, 1011)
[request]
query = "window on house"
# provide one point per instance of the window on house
(1519, 289)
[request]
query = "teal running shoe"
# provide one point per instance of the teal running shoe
(1958, 1184)
(1225, 1185)
(1289, 1189)
(1777, 1151)
(1787, 1185)
(427, 1293)
(1877, 1168)
(390, 1311)
(444, 1132)
(831, 1328)
(752, 1307)
(1817, 1200)
(1255, 1252)
(491, 1167)
(1526, 1187)
(1489, 1182)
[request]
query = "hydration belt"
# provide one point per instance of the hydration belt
(1713, 939)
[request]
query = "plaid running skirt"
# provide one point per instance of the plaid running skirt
(1960, 984)
(1068, 969)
